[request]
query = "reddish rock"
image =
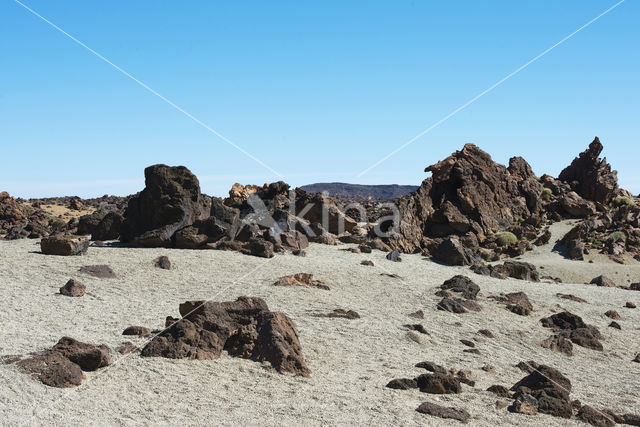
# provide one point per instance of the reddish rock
(88, 356)
(301, 279)
(612, 314)
(402, 384)
(62, 244)
(500, 391)
(592, 416)
(438, 383)
(73, 288)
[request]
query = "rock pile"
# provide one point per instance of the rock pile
(568, 326)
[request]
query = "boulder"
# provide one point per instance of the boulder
(170, 201)
(603, 281)
(452, 252)
(462, 285)
(108, 228)
(52, 369)
(438, 383)
(73, 288)
(589, 415)
(576, 206)
(244, 328)
(261, 248)
(549, 388)
(518, 270)
(394, 256)
(402, 384)
(63, 244)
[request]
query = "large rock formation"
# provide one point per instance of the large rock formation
(591, 177)
(244, 328)
(170, 201)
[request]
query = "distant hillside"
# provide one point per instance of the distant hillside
(344, 190)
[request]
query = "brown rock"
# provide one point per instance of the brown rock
(630, 304)
(301, 279)
(162, 262)
(367, 262)
(402, 384)
(462, 285)
(52, 369)
(73, 288)
(417, 314)
(615, 325)
(525, 404)
(500, 391)
(438, 383)
(261, 248)
(137, 330)
(341, 313)
(592, 416)
(612, 314)
(571, 297)
(127, 347)
(452, 252)
(559, 344)
(244, 328)
(458, 305)
(468, 343)
(432, 367)
(487, 333)
(603, 281)
(61, 244)
(88, 356)
(432, 409)
(100, 271)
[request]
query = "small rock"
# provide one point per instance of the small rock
(612, 314)
(127, 347)
(615, 325)
(414, 337)
(559, 344)
(629, 304)
(417, 314)
(137, 330)
(487, 333)
(432, 367)
(571, 297)
(394, 256)
(501, 404)
(417, 327)
(438, 383)
(162, 262)
(402, 384)
(100, 271)
(489, 369)
(468, 343)
(341, 313)
(500, 390)
(365, 249)
(300, 253)
(472, 351)
(443, 412)
(367, 262)
(301, 279)
(637, 359)
(603, 281)
(73, 288)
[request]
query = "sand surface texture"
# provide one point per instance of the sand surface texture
(351, 360)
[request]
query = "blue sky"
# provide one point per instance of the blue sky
(318, 91)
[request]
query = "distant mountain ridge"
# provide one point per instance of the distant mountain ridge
(344, 190)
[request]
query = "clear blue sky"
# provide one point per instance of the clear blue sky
(319, 91)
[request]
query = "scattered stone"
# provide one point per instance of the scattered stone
(417, 327)
(458, 305)
(417, 314)
(299, 252)
(301, 279)
(501, 404)
(162, 262)
(392, 275)
(443, 412)
(339, 312)
(637, 359)
(261, 248)
(603, 281)
(100, 271)
(127, 347)
(570, 326)
(612, 314)
(634, 287)
(500, 391)
(394, 256)
(365, 249)
(468, 343)
(63, 244)
(137, 330)
(558, 344)
(549, 388)
(592, 416)
(73, 288)
(432, 367)
(629, 304)
(414, 337)
(402, 384)
(472, 351)
(244, 328)
(463, 285)
(352, 250)
(452, 252)
(615, 325)
(438, 383)
(489, 369)
(518, 309)
(570, 297)
(367, 262)
(88, 356)
(52, 369)
(487, 333)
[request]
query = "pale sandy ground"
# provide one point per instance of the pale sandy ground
(351, 360)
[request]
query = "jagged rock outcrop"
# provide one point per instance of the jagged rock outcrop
(170, 201)
(245, 328)
(591, 177)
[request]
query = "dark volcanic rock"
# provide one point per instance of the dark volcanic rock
(432, 367)
(592, 416)
(394, 256)
(162, 262)
(88, 356)
(463, 285)
(402, 384)
(519, 270)
(571, 326)
(109, 227)
(591, 177)
(62, 244)
(603, 281)
(550, 388)
(452, 252)
(100, 271)
(559, 344)
(438, 383)
(443, 412)
(500, 391)
(170, 201)
(137, 330)
(73, 288)
(261, 248)
(52, 369)
(458, 305)
(244, 328)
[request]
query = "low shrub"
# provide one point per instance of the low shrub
(617, 236)
(546, 194)
(506, 238)
(624, 201)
